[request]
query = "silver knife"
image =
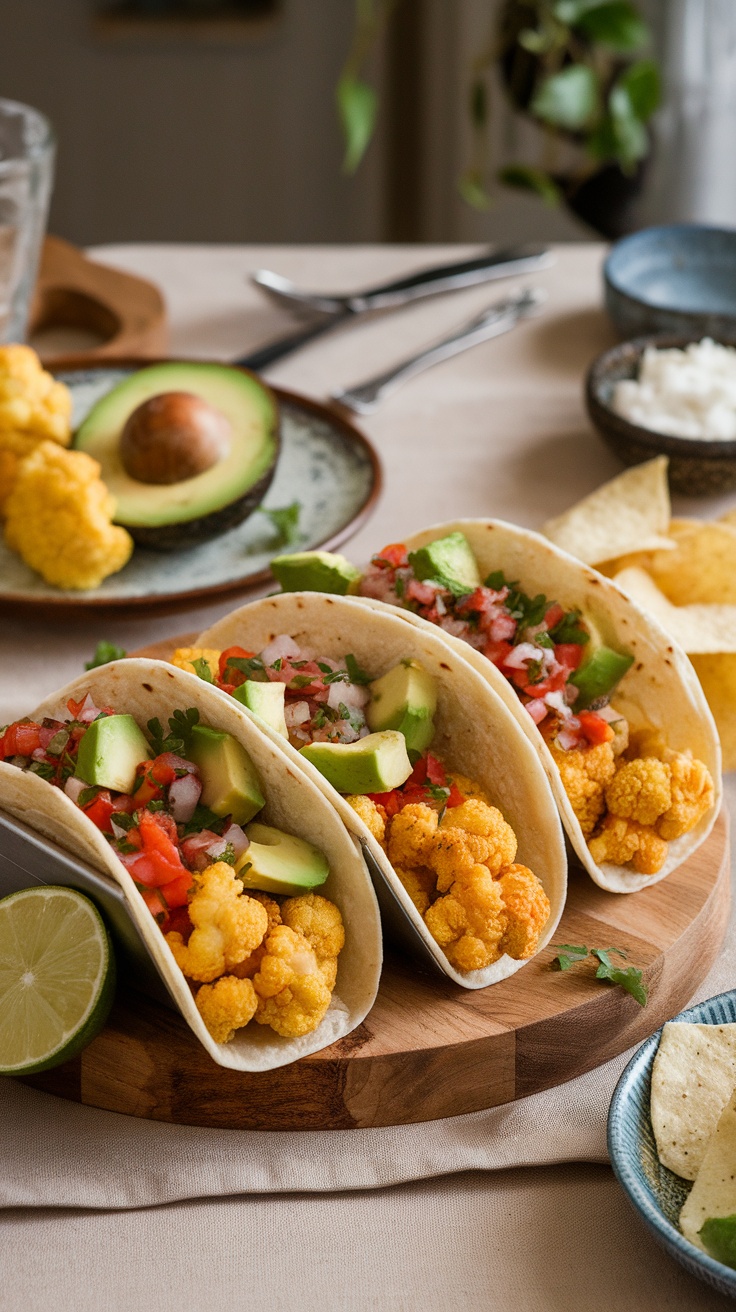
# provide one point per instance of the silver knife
(334, 310)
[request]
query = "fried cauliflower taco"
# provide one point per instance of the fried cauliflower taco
(249, 893)
(421, 759)
(612, 704)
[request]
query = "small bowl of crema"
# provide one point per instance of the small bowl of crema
(672, 396)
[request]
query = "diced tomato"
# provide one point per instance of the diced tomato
(178, 921)
(75, 707)
(391, 802)
(595, 728)
(154, 777)
(240, 654)
(553, 615)
(229, 688)
(176, 892)
(456, 797)
(423, 593)
(20, 739)
(100, 810)
(497, 651)
(160, 847)
(569, 654)
(155, 903)
(435, 771)
(394, 555)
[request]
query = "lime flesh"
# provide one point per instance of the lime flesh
(57, 977)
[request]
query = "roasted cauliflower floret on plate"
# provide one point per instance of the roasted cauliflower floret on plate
(640, 790)
(527, 907)
(469, 835)
(620, 841)
(228, 925)
(373, 816)
(226, 1006)
(292, 994)
(692, 795)
(411, 835)
(320, 923)
(31, 400)
(184, 657)
(421, 885)
(469, 922)
(585, 773)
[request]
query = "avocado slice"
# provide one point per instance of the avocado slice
(265, 700)
(374, 764)
(601, 668)
(316, 571)
(230, 785)
(405, 699)
(449, 561)
(168, 517)
(280, 863)
(110, 751)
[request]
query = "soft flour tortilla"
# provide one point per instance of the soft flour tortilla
(144, 689)
(661, 688)
(714, 1191)
(693, 1077)
(475, 735)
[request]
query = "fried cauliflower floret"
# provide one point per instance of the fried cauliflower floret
(692, 795)
(31, 401)
(527, 907)
(59, 515)
(292, 994)
(318, 921)
(646, 741)
(585, 773)
(411, 835)
(226, 1006)
(228, 925)
(14, 446)
(184, 658)
(622, 841)
(469, 835)
(469, 788)
(420, 884)
(469, 922)
(640, 790)
(373, 817)
(247, 968)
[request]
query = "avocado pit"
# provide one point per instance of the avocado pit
(173, 436)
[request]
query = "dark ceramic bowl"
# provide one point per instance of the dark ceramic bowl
(697, 468)
(675, 279)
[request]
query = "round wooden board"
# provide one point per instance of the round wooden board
(428, 1048)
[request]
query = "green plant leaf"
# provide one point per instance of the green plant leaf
(644, 87)
(527, 178)
(571, 11)
(616, 25)
(104, 653)
(357, 105)
(569, 954)
(568, 99)
(631, 136)
(473, 190)
(285, 520)
(478, 104)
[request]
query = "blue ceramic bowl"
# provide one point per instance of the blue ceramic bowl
(677, 279)
(656, 1193)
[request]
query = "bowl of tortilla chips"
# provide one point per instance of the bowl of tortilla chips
(672, 1138)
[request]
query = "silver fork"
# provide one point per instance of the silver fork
(497, 319)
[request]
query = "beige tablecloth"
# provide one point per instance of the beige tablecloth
(498, 431)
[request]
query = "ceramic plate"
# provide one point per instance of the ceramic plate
(657, 1193)
(326, 464)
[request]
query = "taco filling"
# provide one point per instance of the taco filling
(450, 846)
(630, 793)
(176, 808)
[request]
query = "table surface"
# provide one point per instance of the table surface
(498, 431)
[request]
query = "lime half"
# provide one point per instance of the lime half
(57, 977)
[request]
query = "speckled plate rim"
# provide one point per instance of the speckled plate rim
(172, 602)
(628, 1098)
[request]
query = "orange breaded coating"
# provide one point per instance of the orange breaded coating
(14, 446)
(318, 921)
(469, 922)
(621, 841)
(184, 656)
(640, 790)
(292, 994)
(584, 774)
(373, 817)
(226, 1006)
(692, 795)
(59, 519)
(411, 835)
(469, 835)
(469, 788)
(228, 925)
(246, 969)
(420, 884)
(527, 906)
(31, 400)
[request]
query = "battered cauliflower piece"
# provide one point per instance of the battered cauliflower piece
(59, 515)
(14, 446)
(31, 401)
(469, 922)
(318, 921)
(527, 907)
(226, 1006)
(585, 773)
(470, 835)
(622, 841)
(692, 795)
(420, 884)
(184, 658)
(640, 790)
(373, 816)
(292, 994)
(246, 969)
(228, 925)
(469, 788)
(411, 835)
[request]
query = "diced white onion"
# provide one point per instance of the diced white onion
(297, 714)
(237, 838)
(282, 646)
(73, 787)
(183, 797)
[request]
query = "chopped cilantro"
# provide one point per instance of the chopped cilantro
(203, 818)
(568, 954)
(181, 724)
(527, 610)
(628, 978)
(277, 663)
(228, 855)
(202, 670)
(285, 520)
(438, 792)
(355, 673)
(58, 743)
(42, 768)
(88, 795)
(399, 586)
(569, 629)
(156, 804)
(337, 676)
(496, 580)
(301, 681)
(251, 666)
(127, 849)
(123, 820)
(104, 653)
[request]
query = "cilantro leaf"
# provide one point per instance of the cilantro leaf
(104, 653)
(202, 670)
(627, 978)
(496, 580)
(203, 818)
(181, 724)
(570, 629)
(568, 954)
(285, 520)
(43, 769)
(355, 674)
(123, 820)
(251, 666)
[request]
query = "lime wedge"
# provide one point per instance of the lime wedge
(57, 977)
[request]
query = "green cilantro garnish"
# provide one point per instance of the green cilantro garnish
(127, 849)
(202, 670)
(181, 724)
(203, 818)
(285, 520)
(104, 653)
(569, 629)
(301, 681)
(43, 769)
(496, 580)
(123, 820)
(438, 792)
(568, 954)
(337, 676)
(156, 804)
(228, 855)
(355, 674)
(88, 795)
(58, 743)
(399, 586)
(251, 666)
(628, 978)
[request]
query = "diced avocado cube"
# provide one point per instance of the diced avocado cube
(315, 571)
(110, 751)
(598, 675)
(374, 764)
(449, 561)
(230, 785)
(266, 700)
(280, 863)
(405, 699)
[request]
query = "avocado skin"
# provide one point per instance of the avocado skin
(191, 532)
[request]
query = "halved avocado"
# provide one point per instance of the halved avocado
(171, 516)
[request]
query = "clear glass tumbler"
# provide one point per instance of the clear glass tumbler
(26, 174)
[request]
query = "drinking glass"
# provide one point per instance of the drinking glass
(26, 174)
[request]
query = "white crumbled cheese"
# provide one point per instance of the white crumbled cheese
(690, 393)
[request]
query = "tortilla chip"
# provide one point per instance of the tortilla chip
(629, 513)
(693, 1077)
(702, 566)
(717, 674)
(700, 629)
(714, 1191)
